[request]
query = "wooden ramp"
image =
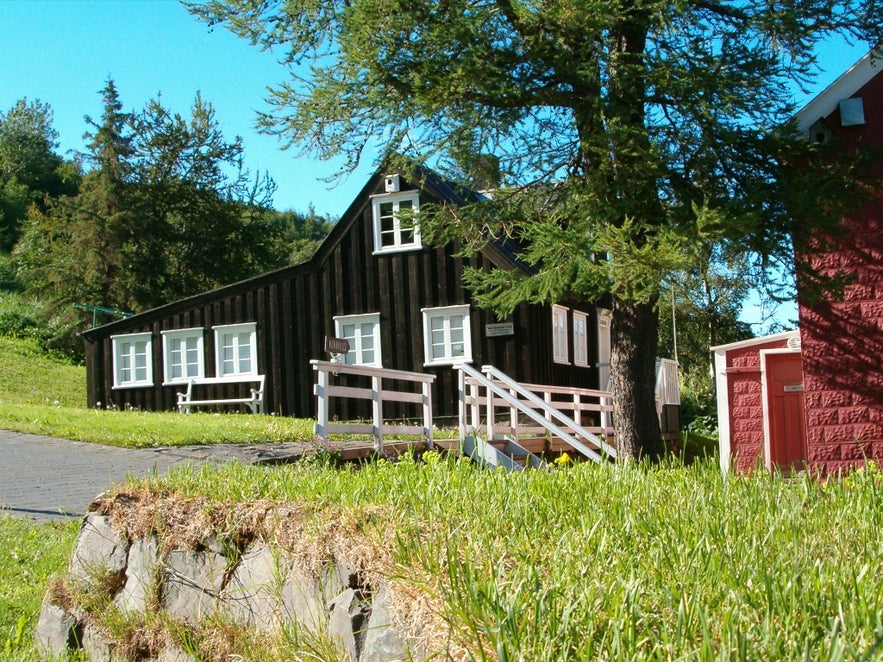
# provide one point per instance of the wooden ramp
(485, 395)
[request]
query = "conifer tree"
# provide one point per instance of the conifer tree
(650, 123)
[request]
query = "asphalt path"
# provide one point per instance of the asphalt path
(49, 479)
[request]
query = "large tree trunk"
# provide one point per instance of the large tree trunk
(634, 334)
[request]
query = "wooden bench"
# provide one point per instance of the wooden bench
(255, 401)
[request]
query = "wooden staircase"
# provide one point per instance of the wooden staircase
(489, 397)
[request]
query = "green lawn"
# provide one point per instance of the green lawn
(31, 554)
(45, 395)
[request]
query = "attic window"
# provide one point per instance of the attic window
(395, 222)
(852, 112)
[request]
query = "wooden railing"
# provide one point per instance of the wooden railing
(325, 391)
(496, 407)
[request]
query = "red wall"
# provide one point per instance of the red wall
(746, 405)
(842, 339)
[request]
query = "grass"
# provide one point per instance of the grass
(31, 554)
(585, 562)
(40, 394)
(616, 563)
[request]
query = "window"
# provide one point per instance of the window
(395, 227)
(446, 336)
(604, 317)
(132, 360)
(362, 332)
(580, 339)
(182, 355)
(236, 350)
(559, 334)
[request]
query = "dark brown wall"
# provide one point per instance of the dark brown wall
(294, 309)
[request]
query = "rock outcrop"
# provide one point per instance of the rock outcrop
(149, 578)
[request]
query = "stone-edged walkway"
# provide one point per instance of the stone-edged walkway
(46, 479)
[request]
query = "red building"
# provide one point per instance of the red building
(814, 398)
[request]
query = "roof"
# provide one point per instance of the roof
(503, 253)
(762, 340)
(847, 84)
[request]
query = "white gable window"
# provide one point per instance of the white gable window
(446, 335)
(395, 226)
(182, 355)
(132, 360)
(580, 339)
(236, 350)
(362, 332)
(604, 346)
(559, 334)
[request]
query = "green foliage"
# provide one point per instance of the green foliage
(167, 210)
(299, 234)
(30, 169)
(32, 553)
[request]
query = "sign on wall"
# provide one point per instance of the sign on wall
(336, 345)
(497, 330)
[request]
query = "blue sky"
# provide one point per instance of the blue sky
(62, 52)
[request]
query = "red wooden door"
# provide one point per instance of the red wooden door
(787, 421)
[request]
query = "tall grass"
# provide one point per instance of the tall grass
(618, 563)
(30, 554)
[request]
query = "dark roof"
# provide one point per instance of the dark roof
(504, 253)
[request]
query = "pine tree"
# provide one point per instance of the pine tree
(625, 131)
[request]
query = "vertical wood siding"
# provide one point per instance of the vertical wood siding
(294, 310)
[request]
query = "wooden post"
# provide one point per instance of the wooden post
(427, 413)
(377, 409)
(322, 405)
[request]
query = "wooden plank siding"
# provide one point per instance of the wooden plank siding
(294, 309)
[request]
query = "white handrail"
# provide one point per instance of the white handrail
(503, 393)
(549, 411)
(324, 391)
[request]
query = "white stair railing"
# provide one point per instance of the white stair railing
(500, 387)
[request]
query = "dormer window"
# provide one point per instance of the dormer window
(395, 222)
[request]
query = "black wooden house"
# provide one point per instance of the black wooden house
(399, 303)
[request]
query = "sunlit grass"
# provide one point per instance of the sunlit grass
(40, 394)
(29, 554)
(624, 563)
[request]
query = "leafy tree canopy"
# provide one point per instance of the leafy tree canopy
(166, 210)
(651, 125)
(30, 169)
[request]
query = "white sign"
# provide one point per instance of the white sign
(497, 330)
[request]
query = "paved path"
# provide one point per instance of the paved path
(46, 479)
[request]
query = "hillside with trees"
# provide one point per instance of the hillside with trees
(160, 206)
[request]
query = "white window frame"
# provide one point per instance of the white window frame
(125, 349)
(171, 349)
(445, 314)
(236, 329)
(356, 355)
(560, 353)
(605, 347)
(580, 339)
(396, 200)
